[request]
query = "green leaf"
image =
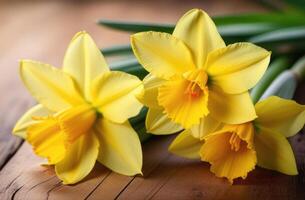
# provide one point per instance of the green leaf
(117, 50)
(278, 19)
(142, 132)
(246, 29)
(232, 28)
(130, 66)
(138, 123)
(271, 5)
(275, 68)
(282, 41)
(140, 72)
(137, 26)
(281, 19)
(124, 64)
(140, 117)
(296, 4)
(287, 35)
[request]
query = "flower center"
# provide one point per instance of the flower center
(230, 151)
(235, 142)
(193, 90)
(52, 135)
(197, 83)
(241, 135)
(76, 121)
(185, 98)
(71, 123)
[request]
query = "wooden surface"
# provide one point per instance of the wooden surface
(42, 31)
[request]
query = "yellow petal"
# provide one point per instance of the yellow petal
(48, 140)
(181, 107)
(230, 108)
(27, 119)
(158, 123)
(274, 152)
(114, 95)
(225, 161)
(207, 125)
(150, 96)
(51, 87)
(237, 67)
(161, 54)
(79, 160)
(84, 62)
(186, 145)
(120, 147)
(197, 30)
(281, 115)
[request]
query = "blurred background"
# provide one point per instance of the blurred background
(41, 30)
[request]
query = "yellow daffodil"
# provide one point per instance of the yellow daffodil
(82, 114)
(194, 77)
(234, 150)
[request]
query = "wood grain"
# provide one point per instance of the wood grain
(165, 177)
(24, 178)
(9, 144)
(41, 31)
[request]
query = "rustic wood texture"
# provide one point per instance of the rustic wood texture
(41, 31)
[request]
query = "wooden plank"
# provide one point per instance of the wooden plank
(32, 181)
(165, 176)
(154, 153)
(24, 178)
(12, 110)
(186, 179)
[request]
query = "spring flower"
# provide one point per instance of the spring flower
(194, 77)
(83, 112)
(234, 150)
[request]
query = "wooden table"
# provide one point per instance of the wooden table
(42, 31)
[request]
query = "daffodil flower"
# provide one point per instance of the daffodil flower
(194, 77)
(234, 150)
(82, 114)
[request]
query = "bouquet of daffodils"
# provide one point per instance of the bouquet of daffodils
(194, 79)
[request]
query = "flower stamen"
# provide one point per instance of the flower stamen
(193, 90)
(235, 142)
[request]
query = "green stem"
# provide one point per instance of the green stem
(286, 83)
(283, 86)
(276, 67)
(299, 69)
